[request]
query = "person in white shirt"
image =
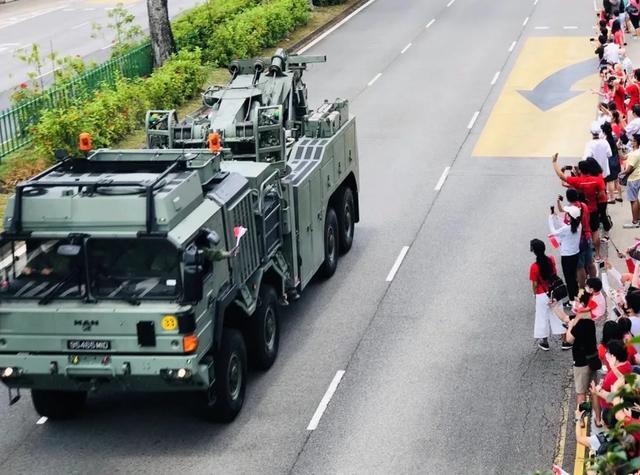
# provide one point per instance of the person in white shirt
(599, 149)
(611, 53)
(633, 126)
(568, 235)
(627, 64)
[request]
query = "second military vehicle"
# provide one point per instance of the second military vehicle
(164, 269)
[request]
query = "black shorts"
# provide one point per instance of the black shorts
(635, 20)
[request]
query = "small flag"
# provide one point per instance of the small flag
(557, 470)
(238, 232)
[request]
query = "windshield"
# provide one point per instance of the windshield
(133, 269)
(36, 268)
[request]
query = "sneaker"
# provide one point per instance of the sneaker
(543, 345)
(631, 225)
(565, 345)
(604, 239)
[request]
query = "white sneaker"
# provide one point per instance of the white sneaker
(631, 225)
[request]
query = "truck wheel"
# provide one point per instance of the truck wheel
(58, 405)
(331, 244)
(264, 331)
(230, 366)
(346, 220)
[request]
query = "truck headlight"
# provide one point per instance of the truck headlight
(10, 372)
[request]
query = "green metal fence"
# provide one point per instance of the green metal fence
(16, 121)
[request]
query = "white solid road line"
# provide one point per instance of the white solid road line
(442, 179)
(535, 2)
(313, 425)
(404, 50)
(396, 265)
(473, 120)
(495, 78)
(377, 76)
(334, 28)
(48, 72)
(513, 45)
(430, 23)
(526, 20)
(450, 3)
(42, 420)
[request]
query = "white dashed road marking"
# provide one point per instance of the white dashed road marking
(473, 120)
(541, 28)
(495, 78)
(526, 20)
(377, 76)
(430, 23)
(404, 50)
(571, 27)
(513, 45)
(396, 265)
(42, 420)
(442, 179)
(313, 424)
(450, 3)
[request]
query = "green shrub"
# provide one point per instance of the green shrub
(195, 28)
(112, 113)
(256, 28)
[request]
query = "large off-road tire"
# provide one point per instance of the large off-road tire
(58, 405)
(230, 368)
(331, 244)
(263, 335)
(346, 219)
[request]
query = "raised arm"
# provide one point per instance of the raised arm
(556, 167)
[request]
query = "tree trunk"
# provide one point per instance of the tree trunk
(162, 42)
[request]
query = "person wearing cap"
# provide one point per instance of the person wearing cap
(632, 171)
(598, 148)
(568, 234)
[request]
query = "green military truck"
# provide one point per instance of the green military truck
(164, 269)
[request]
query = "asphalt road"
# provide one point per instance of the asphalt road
(442, 374)
(63, 26)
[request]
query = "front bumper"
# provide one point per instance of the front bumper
(92, 372)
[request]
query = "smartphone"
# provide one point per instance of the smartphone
(553, 209)
(560, 198)
(617, 312)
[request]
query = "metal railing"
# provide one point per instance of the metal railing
(15, 122)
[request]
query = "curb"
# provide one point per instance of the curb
(6, 1)
(321, 29)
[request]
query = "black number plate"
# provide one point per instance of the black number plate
(88, 345)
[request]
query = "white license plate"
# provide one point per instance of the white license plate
(88, 345)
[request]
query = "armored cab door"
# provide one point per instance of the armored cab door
(305, 233)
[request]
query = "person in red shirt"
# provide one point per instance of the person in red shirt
(633, 91)
(540, 272)
(617, 357)
(594, 191)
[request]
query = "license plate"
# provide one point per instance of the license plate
(88, 345)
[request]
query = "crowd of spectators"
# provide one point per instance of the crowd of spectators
(594, 310)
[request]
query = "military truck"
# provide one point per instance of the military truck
(165, 269)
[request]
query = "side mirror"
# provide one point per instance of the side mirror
(192, 278)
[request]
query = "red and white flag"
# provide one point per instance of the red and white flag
(238, 232)
(557, 470)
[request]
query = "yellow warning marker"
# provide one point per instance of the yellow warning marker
(546, 105)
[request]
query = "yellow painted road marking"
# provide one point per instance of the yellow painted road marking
(517, 128)
(581, 454)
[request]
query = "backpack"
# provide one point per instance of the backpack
(557, 288)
